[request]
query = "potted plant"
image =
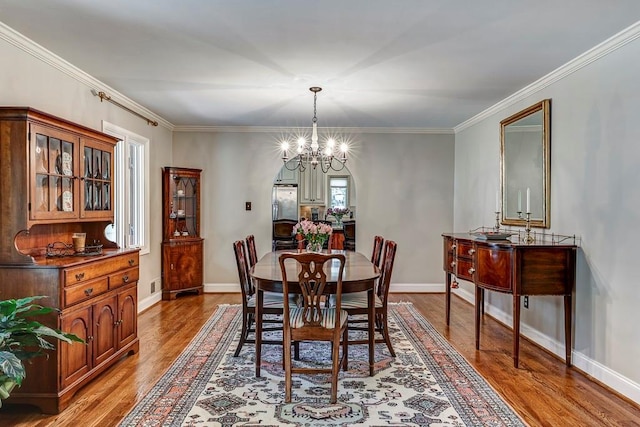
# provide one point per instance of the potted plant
(22, 338)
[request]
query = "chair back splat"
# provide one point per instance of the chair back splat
(312, 321)
(251, 250)
(377, 250)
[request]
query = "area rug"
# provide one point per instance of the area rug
(428, 383)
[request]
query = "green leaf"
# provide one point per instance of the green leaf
(11, 366)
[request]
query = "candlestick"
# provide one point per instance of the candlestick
(528, 200)
(528, 238)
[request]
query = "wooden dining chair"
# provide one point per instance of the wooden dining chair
(273, 303)
(378, 242)
(251, 250)
(357, 304)
(312, 321)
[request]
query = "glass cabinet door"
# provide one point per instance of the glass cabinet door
(184, 206)
(97, 180)
(53, 171)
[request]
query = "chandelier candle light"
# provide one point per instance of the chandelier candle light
(312, 155)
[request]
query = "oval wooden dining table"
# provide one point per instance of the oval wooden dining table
(359, 275)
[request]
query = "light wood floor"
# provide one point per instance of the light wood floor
(543, 391)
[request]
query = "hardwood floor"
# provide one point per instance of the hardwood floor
(543, 390)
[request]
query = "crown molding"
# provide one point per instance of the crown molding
(280, 129)
(39, 52)
(610, 45)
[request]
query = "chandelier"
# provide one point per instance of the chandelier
(328, 156)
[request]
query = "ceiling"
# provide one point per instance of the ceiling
(427, 64)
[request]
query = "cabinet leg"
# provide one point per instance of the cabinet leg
(567, 328)
(448, 297)
(478, 303)
(516, 329)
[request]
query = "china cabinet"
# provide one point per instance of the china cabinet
(312, 186)
(56, 183)
(182, 246)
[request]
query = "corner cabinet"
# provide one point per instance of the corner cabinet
(56, 179)
(182, 246)
(312, 186)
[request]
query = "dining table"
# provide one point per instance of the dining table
(359, 275)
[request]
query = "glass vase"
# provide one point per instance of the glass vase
(314, 247)
(338, 220)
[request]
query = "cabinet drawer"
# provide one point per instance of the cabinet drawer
(75, 275)
(464, 249)
(121, 278)
(464, 269)
(84, 291)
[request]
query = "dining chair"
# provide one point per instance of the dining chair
(273, 303)
(312, 321)
(283, 236)
(251, 250)
(349, 230)
(378, 242)
(357, 304)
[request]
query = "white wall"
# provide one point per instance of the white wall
(28, 80)
(595, 159)
(404, 184)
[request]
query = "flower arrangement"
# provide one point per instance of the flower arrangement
(315, 234)
(338, 212)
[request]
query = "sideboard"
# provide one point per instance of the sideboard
(516, 268)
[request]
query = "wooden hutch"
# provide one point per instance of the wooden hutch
(56, 180)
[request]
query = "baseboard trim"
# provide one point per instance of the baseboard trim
(603, 374)
(149, 301)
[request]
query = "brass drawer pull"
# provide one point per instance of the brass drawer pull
(79, 276)
(472, 270)
(132, 261)
(472, 251)
(453, 263)
(453, 247)
(125, 278)
(88, 292)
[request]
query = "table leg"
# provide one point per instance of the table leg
(372, 319)
(448, 298)
(516, 329)
(258, 328)
(567, 328)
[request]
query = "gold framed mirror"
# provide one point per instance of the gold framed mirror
(525, 162)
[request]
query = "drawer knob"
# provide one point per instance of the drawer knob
(453, 247)
(88, 292)
(453, 263)
(132, 261)
(79, 276)
(472, 251)
(472, 270)
(90, 338)
(125, 278)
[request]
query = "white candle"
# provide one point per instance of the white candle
(497, 201)
(519, 201)
(528, 200)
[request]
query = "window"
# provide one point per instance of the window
(338, 191)
(130, 228)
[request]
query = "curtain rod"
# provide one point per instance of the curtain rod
(104, 97)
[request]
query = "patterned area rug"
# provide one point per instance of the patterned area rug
(427, 384)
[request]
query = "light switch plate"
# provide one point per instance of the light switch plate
(247, 206)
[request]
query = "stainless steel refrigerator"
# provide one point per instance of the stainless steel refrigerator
(285, 202)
